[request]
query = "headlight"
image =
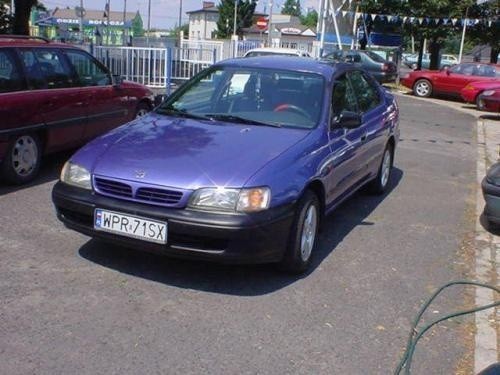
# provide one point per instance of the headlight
(488, 92)
(73, 174)
(222, 199)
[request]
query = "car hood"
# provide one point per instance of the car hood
(187, 153)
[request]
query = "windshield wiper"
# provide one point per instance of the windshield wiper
(181, 113)
(240, 120)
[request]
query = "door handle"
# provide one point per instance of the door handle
(363, 138)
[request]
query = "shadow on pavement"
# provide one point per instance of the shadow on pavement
(490, 117)
(242, 280)
(49, 171)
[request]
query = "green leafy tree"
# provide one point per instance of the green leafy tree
(292, 8)
(244, 18)
(310, 19)
(484, 32)
(137, 26)
(5, 19)
(176, 31)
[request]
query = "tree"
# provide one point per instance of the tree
(22, 16)
(244, 18)
(292, 8)
(176, 31)
(137, 25)
(5, 19)
(427, 11)
(310, 19)
(485, 32)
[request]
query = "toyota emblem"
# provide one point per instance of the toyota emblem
(140, 174)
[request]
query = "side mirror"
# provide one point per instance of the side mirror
(117, 80)
(348, 120)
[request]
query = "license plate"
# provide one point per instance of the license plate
(130, 226)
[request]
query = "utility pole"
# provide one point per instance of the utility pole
(180, 15)
(81, 21)
(270, 25)
(124, 20)
(463, 36)
(108, 14)
(235, 24)
(149, 23)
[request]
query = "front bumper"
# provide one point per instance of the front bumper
(236, 238)
(491, 195)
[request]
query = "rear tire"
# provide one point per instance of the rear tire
(22, 160)
(303, 235)
(422, 88)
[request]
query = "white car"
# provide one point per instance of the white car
(276, 51)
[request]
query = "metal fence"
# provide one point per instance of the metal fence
(155, 67)
(160, 67)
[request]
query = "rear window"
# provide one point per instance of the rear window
(375, 57)
(10, 76)
(45, 69)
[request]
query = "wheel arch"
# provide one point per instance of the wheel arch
(318, 189)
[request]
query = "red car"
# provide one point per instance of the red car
(425, 83)
(54, 97)
(489, 100)
(473, 90)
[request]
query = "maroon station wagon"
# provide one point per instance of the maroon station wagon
(54, 97)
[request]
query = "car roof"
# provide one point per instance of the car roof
(276, 50)
(291, 63)
(28, 41)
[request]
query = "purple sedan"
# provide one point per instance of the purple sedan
(240, 164)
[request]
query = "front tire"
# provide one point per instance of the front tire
(379, 185)
(142, 110)
(422, 88)
(479, 102)
(22, 161)
(303, 235)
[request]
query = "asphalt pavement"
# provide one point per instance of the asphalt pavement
(74, 305)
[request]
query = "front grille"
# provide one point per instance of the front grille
(135, 191)
(113, 187)
(158, 195)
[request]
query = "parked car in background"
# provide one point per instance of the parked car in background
(265, 51)
(54, 97)
(489, 100)
(447, 61)
(236, 174)
(472, 91)
(425, 83)
(384, 71)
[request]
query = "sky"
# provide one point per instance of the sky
(164, 13)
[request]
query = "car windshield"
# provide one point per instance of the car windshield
(375, 57)
(250, 96)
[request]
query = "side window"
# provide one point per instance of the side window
(465, 69)
(365, 91)
(89, 72)
(45, 69)
(10, 77)
(343, 98)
